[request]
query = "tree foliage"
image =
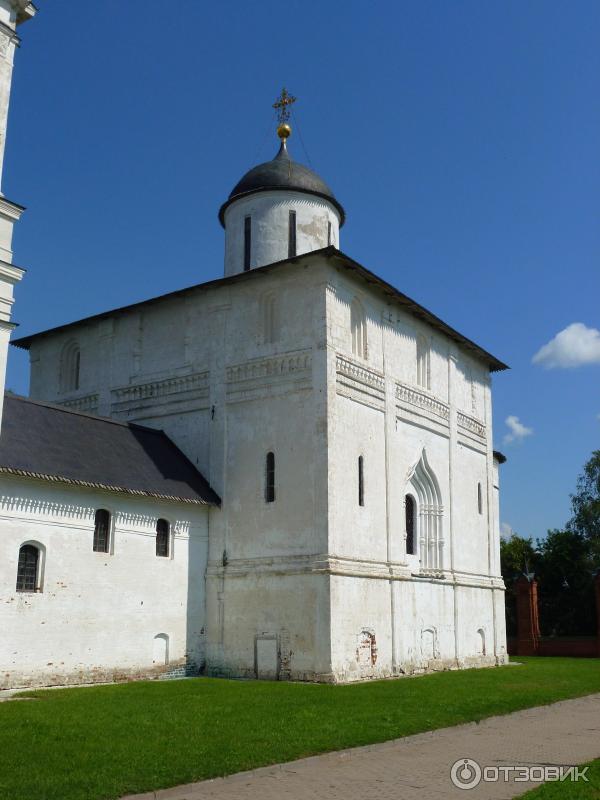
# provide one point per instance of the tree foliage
(564, 563)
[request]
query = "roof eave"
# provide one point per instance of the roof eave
(22, 473)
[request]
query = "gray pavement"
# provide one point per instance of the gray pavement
(564, 733)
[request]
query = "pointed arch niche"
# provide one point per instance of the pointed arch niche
(423, 485)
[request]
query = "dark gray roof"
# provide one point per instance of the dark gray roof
(336, 257)
(500, 457)
(281, 173)
(39, 440)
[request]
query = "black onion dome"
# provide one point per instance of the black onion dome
(281, 173)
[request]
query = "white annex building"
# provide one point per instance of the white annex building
(283, 473)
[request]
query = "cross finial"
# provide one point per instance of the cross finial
(281, 105)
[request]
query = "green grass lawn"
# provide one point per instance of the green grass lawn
(568, 790)
(106, 741)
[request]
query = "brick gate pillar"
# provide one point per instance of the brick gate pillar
(528, 625)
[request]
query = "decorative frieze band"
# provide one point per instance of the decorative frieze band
(359, 373)
(359, 383)
(471, 424)
(283, 365)
(87, 404)
(415, 397)
(195, 384)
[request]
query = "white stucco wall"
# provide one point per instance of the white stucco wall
(312, 571)
(269, 212)
(98, 614)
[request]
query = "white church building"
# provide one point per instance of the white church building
(287, 472)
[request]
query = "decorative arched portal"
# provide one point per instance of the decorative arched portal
(429, 528)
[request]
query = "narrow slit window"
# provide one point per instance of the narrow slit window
(292, 235)
(479, 499)
(163, 535)
(247, 242)
(328, 233)
(409, 504)
(361, 481)
(102, 531)
(28, 568)
(270, 478)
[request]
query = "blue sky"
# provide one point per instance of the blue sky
(462, 139)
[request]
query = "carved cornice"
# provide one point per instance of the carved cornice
(471, 424)
(415, 397)
(33, 506)
(87, 404)
(284, 365)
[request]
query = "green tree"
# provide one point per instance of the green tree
(564, 573)
(585, 504)
(517, 556)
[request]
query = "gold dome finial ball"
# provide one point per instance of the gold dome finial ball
(284, 130)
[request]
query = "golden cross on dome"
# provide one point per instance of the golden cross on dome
(281, 105)
(284, 100)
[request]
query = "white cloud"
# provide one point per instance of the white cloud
(574, 346)
(518, 431)
(506, 530)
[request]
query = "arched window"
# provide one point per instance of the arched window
(428, 526)
(479, 499)
(270, 478)
(29, 569)
(163, 536)
(358, 327)
(410, 516)
(102, 531)
(69, 367)
(423, 372)
(361, 481)
(270, 318)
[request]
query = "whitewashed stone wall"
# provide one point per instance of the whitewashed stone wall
(269, 213)
(99, 616)
(312, 582)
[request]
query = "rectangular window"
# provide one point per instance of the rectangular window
(163, 535)
(361, 482)
(328, 233)
(479, 499)
(101, 531)
(292, 235)
(247, 242)
(270, 478)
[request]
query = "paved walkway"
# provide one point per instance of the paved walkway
(564, 733)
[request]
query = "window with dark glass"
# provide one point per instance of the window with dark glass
(162, 538)
(479, 499)
(270, 478)
(292, 235)
(361, 482)
(329, 233)
(247, 242)
(101, 531)
(27, 570)
(410, 524)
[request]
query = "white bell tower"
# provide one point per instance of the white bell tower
(12, 14)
